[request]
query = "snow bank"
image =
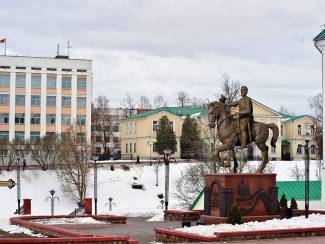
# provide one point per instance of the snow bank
(314, 220)
(56, 221)
(14, 229)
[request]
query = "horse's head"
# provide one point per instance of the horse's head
(213, 113)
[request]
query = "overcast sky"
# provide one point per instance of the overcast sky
(163, 46)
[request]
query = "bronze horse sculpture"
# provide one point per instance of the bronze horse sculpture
(228, 133)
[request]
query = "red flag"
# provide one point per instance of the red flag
(2, 40)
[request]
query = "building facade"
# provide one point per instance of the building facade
(40, 96)
(138, 132)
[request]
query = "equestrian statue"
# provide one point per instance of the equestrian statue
(240, 129)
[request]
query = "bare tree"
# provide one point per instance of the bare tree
(159, 101)
(44, 151)
(316, 104)
(4, 151)
(196, 102)
(285, 110)
(297, 173)
(102, 122)
(73, 171)
(129, 104)
(145, 102)
(230, 88)
(182, 98)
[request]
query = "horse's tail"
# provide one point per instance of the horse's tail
(275, 132)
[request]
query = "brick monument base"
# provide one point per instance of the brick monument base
(256, 194)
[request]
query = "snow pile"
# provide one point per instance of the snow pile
(14, 229)
(314, 220)
(57, 221)
(158, 217)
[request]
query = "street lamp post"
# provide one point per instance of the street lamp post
(95, 158)
(52, 197)
(167, 153)
(307, 140)
(18, 158)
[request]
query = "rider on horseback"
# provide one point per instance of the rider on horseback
(245, 115)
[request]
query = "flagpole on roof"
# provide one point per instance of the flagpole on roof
(5, 46)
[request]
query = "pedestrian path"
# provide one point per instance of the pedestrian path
(137, 228)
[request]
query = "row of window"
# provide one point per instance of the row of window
(35, 119)
(312, 130)
(20, 135)
(36, 101)
(36, 81)
(130, 148)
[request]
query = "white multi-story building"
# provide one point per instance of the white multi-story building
(40, 96)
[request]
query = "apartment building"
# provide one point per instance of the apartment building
(40, 96)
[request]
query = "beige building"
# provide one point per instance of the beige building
(293, 131)
(40, 96)
(138, 132)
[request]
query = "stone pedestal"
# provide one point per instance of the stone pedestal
(27, 206)
(88, 206)
(256, 194)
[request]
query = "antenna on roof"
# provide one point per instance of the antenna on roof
(323, 26)
(68, 46)
(58, 50)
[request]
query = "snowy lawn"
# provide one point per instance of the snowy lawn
(14, 229)
(57, 221)
(314, 220)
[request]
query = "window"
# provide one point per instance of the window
(4, 99)
(81, 137)
(313, 149)
(81, 102)
(126, 148)
(66, 102)
(19, 135)
(281, 130)
(299, 129)
(4, 135)
(81, 83)
(50, 101)
(154, 125)
(34, 136)
(36, 68)
(66, 70)
(20, 100)
(81, 119)
(65, 119)
(116, 139)
(4, 118)
(116, 127)
(51, 69)
(21, 81)
(19, 118)
(35, 119)
(135, 147)
(273, 150)
(312, 130)
(66, 82)
(299, 149)
(154, 147)
(171, 125)
(35, 100)
(4, 80)
(36, 81)
(51, 82)
(50, 119)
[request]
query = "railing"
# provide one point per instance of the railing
(78, 211)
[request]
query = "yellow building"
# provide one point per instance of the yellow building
(138, 132)
(293, 131)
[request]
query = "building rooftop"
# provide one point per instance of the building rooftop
(320, 36)
(56, 57)
(178, 111)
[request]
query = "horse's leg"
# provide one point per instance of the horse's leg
(224, 147)
(233, 155)
(265, 158)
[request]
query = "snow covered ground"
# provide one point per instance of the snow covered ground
(116, 184)
(314, 220)
(56, 221)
